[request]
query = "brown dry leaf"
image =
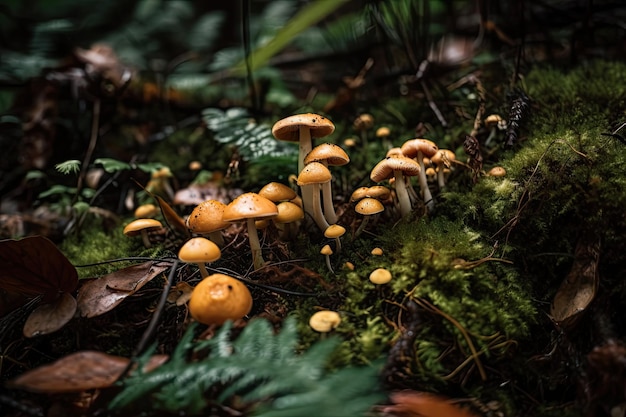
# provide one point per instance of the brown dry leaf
(77, 372)
(101, 295)
(171, 217)
(580, 285)
(423, 404)
(180, 294)
(50, 317)
(34, 266)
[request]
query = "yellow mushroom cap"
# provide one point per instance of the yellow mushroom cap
(412, 147)
(497, 172)
(288, 212)
(206, 217)
(219, 298)
(326, 250)
(199, 250)
(329, 153)
(386, 168)
(314, 173)
(135, 227)
(288, 129)
(380, 276)
(249, 206)
(324, 321)
(383, 132)
(377, 251)
(369, 206)
(443, 157)
(146, 211)
(276, 192)
(334, 231)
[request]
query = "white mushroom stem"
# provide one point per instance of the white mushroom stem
(305, 146)
(203, 271)
(428, 198)
(402, 193)
(362, 226)
(441, 182)
(329, 208)
(145, 238)
(255, 245)
(317, 213)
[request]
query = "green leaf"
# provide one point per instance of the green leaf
(111, 165)
(71, 166)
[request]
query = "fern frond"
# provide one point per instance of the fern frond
(260, 368)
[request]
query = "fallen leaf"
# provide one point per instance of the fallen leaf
(423, 404)
(579, 287)
(180, 294)
(50, 317)
(77, 372)
(33, 265)
(103, 294)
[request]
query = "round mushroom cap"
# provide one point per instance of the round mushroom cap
(324, 321)
(277, 191)
(377, 251)
(199, 250)
(358, 194)
(288, 212)
(206, 217)
(314, 173)
(494, 120)
(219, 298)
(369, 206)
(383, 132)
(378, 191)
(385, 169)
(146, 211)
(380, 276)
(288, 129)
(326, 250)
(135, 227)
(334, 231)
(249, 206)
(330, 153)
(443, 156)
(497, 171)
(394, 151)
(412, 147)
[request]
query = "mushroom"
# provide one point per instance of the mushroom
(380, 276)
(418, 149)
(276, 192)
(313, 175)
(442, 160)
(250, 207)
(327, 251)
(383, 133)
(335, 231)
(218, 298)
(324, 321)
(142, 227)
(206, 219)
(328, 154)
(497, 171)
(398, 167)
(302, 128)
(367, 207)
(289, 214)
(146, 211)
(199, 250)
(377, 251)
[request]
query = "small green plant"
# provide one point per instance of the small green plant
(259, 373)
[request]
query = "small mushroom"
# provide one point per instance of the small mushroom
(497, 171)
(442, 160)
(142, 227)
(327, 251)
(206, 219)
(146, 211)
(380, 276)
(367, 207)
(313, 175)
(324, 321)
(218, 298)
(377, 251)
(328, 154)
(418, 149)
(398, 167)
(249, 207)
(199, 250)
(289, 215)
(335, 231)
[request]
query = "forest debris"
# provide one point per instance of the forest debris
(50, 317)
(33, 266)
(78, 372)
(579, 288)
(409, 403)
(105, 293)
